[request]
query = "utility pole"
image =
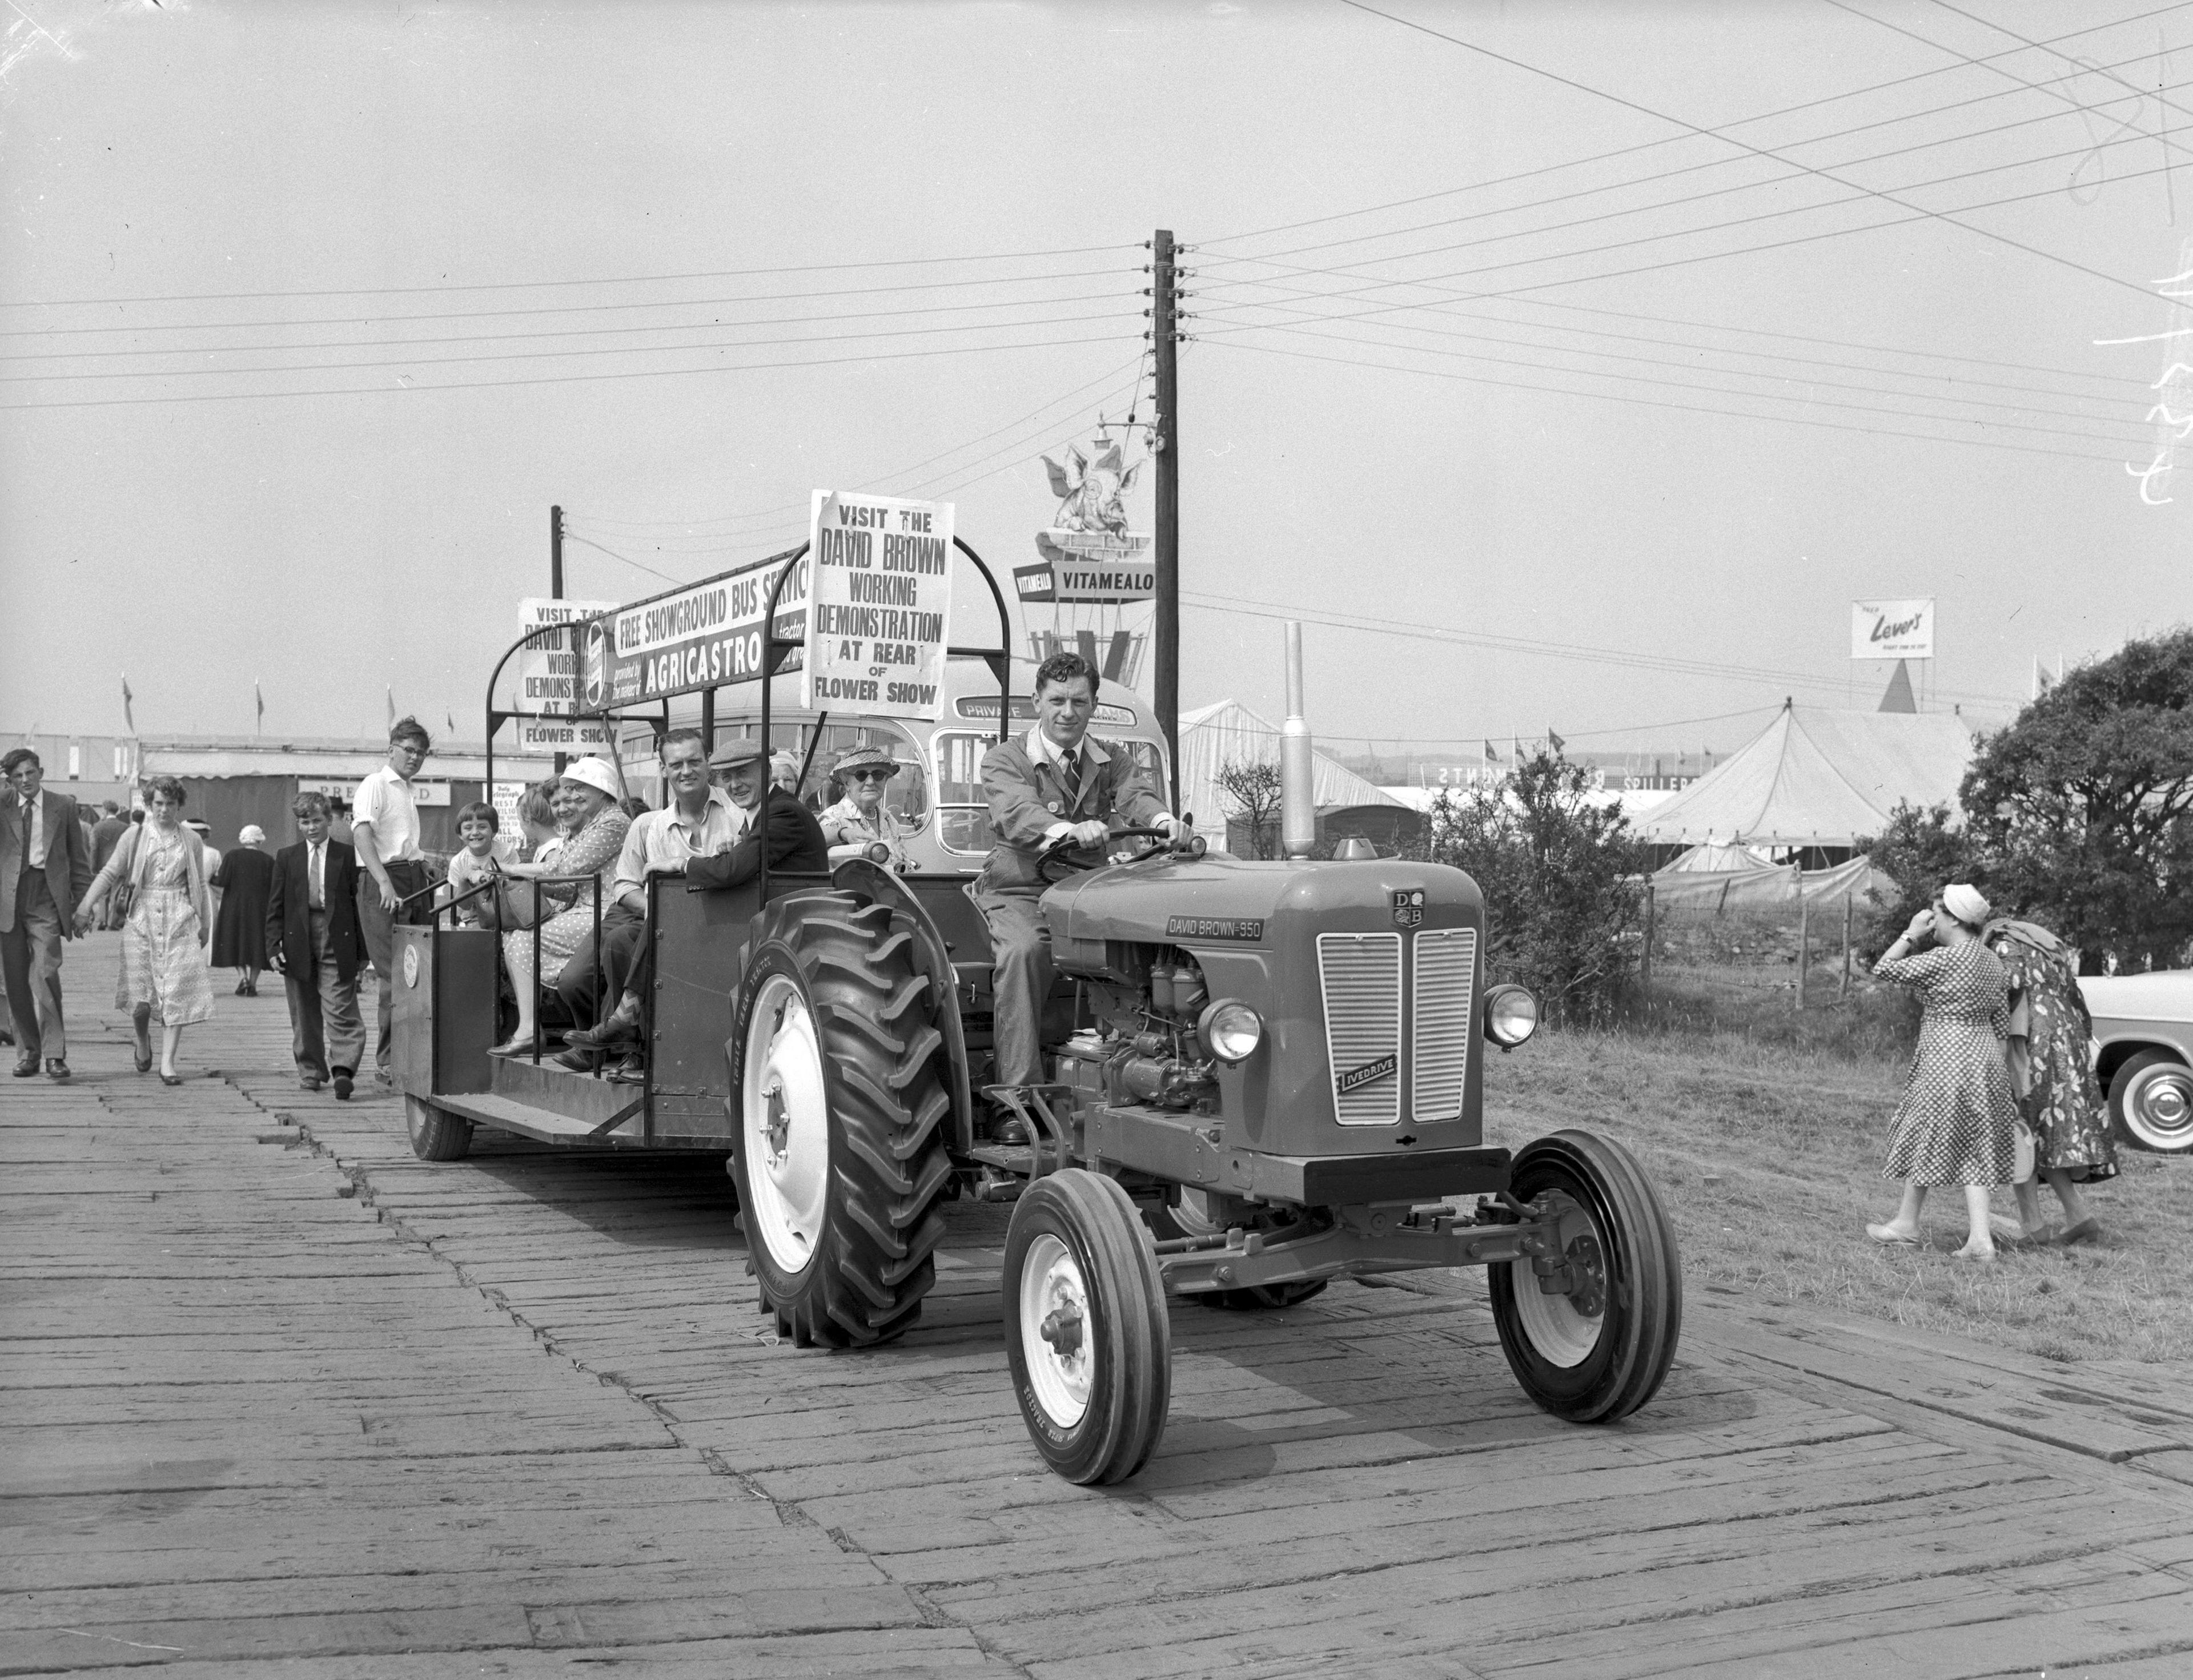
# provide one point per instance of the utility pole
(556, 584)
(1165, 443)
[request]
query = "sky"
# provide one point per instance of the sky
(1542, 407)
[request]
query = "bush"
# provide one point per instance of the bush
(1562, 904)
(1924, 851)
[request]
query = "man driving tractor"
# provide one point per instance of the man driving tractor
(1056, 783)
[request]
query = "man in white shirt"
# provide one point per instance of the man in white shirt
(391, 868)
(699, 822)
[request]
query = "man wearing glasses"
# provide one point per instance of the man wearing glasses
(861, 819)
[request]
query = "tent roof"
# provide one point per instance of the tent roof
(1819, 777)
(1212, 737)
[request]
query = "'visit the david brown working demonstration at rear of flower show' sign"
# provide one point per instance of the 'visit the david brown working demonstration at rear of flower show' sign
(705, 635)
(880, 570)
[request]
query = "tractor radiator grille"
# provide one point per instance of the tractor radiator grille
(1362, 979)
(1447, 973)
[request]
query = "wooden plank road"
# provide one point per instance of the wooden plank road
(311, 1407)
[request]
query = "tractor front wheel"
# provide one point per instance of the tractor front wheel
(1086, 1328)
(1589, 1326)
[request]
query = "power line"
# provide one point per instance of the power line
(539, 285)
(1761, 151)
(541, 355)
(1673, 139)
(554, 379)
(1715, 163)
(564, 308)
(1655, 402)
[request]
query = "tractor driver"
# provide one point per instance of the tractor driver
(1056, 782)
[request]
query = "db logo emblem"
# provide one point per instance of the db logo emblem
(1409, 907)
(411, 965)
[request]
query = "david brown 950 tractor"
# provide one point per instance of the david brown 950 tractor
(1261, 1077)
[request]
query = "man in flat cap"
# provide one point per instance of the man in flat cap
(794, 839)
(861, 819)
(1057, 782)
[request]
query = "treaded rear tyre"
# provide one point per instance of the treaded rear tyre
(1086, 1328)
(1598, 1353)
(838, 1107)
(436, 1134)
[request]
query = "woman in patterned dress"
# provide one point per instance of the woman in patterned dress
(165, 972)
(588, 799)
(2049, 1032)
(1957, 1121)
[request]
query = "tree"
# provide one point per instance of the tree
(1557, 873)
(1252, 794)
(2084, 806)
(1923, 851)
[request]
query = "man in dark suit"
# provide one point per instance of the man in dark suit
(106, 834)
(1056, 783)
(313, 940)
(45, 868)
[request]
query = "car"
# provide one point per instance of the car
(2144, 1055)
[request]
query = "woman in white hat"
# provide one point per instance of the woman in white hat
(1957, 1123)
(861, 819)
(588, 793)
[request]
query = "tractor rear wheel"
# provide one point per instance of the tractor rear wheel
(839, 1155)
(1598, 1347)
(436, 1134)
(1086, 1328)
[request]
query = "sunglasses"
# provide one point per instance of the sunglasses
(871, 775)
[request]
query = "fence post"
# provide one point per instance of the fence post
(1843, 989)
(1645, 963)
(1804, 942)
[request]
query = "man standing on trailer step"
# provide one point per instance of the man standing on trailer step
(1057, 782)
(384, 829)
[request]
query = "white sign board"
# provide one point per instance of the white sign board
(423, 793)
(560, 734)
(506, 800)
(1893, 630)
(880, 601)
(548, 673)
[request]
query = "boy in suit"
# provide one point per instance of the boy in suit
(313, 941)
(1057, 782)
(45, 868)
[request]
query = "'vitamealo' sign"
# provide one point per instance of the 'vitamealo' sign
(704, 636)
(881, 575)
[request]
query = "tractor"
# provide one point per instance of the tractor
(1260, 1077)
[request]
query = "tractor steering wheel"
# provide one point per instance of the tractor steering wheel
(1066, 859)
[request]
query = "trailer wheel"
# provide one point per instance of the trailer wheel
(840, 1158)
(1257, 1297)
(1086, 1330)
(2151, 1103)
(436, 1134)
(1598, 1349)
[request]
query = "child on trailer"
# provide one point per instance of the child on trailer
(478, 825)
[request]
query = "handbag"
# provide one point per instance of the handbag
(2023, 1164)
(518, 904)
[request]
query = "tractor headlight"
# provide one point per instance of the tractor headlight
(1511, 1015)
(1230, 1029)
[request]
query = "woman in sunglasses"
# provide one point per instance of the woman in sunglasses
(861, 820)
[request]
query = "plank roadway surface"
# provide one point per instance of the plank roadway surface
(283, 1400)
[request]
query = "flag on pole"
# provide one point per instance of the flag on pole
(452, 717)
(259, 699)
(1491, 757)
(1515, 746)
(391, 706)
(127, 717)
(1554, 740)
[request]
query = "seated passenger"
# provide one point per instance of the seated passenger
(1056, 782)
(700, 821)
(589, 792)
(861, 820)
(794, 839)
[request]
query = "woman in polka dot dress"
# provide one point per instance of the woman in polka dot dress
(1957, 1123)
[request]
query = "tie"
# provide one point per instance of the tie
(316, 897)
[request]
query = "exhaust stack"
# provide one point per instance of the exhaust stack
(1298, 778)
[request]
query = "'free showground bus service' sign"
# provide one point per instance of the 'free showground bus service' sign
(705, 635)
(881, 572)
